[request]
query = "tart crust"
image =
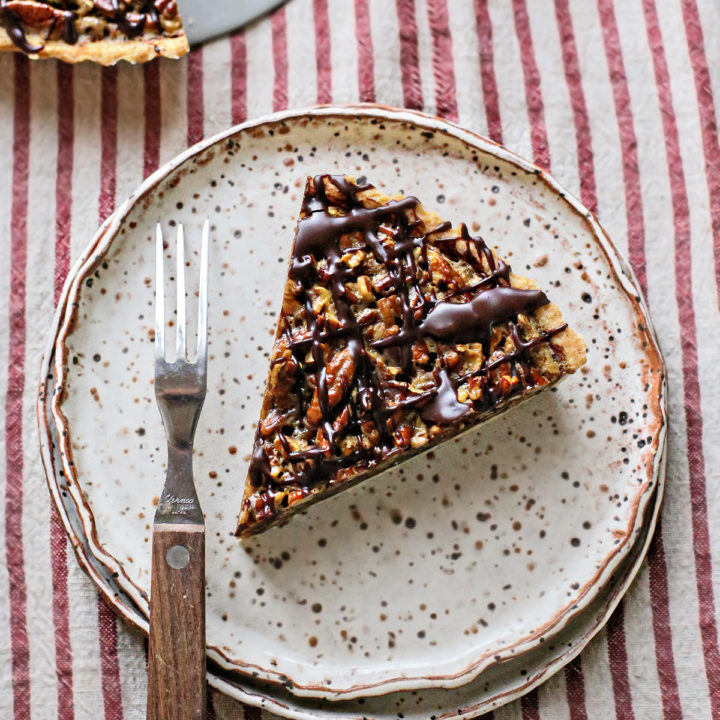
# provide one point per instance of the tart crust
(104, 52)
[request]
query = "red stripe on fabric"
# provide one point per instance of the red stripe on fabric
(409, 54)
(14, 552)
(280, 59)
(708, 120)
(617, 654)
(533, 92)
(659, 595)
(575, 689)
(688, 342)
(211, 714)
(487, 70)
(583, 138)
(366, 62)
(628, 141)
(153, 118)
(63, 177)
(58, 539)
(529, 706)
(662, 630)
(322, 51)
(195, 100)
(61, 619)
(107, 630)
(238, 77)
(109, 665)
(108, 139)
(442, 59)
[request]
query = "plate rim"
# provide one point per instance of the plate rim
(627, 283)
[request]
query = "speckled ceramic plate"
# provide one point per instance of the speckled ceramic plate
(433, 572)
(499, 684)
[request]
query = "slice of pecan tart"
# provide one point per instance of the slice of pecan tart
(396, 331)
(103, 31)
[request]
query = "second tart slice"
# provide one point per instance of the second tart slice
(103, 31)
(396, 331)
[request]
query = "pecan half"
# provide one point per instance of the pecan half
(272, 422)
(339, 372)
(32, 13)
(442, 271)
(365, 288)
(387, 306)
(402, 436)
(167, 8)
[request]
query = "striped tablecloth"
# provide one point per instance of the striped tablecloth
(618, 98)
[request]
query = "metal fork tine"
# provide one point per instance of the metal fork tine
(159, 295)
(203, 298)
(180, 281)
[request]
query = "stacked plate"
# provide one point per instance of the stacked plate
(447, 586)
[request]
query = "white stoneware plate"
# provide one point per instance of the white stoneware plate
(431, 573)
(499, 684)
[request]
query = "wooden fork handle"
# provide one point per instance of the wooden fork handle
(176, 659)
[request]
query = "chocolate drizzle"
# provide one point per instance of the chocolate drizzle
(69, 32)
(335, 360)
(134, 27)
(12, 22)
(444, 407)
(472, 321)
(313, 232)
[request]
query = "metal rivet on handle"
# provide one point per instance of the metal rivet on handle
(177, 557)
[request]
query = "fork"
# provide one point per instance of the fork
(176, 658)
